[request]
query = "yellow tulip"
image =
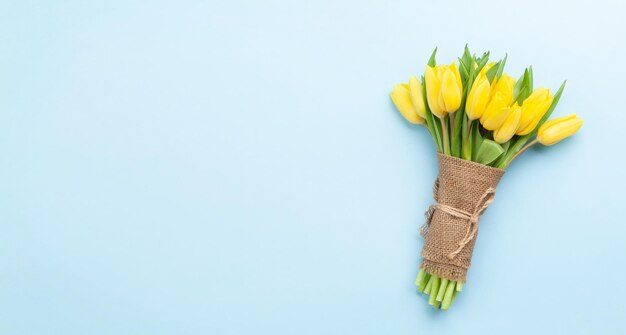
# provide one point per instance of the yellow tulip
(451, 89)
(496, 112)
(417, 97)
(401, 97)
(444, 89)
(533, 109)
(478, 98)
(505, 86)
(557, 129)
(433, 87)
(508, 128)
(457, 76)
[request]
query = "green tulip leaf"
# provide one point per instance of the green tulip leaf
(482, 61)
(431, 61)
(491, 73)
(501, 67)
(505, 146)
(488, 152)
(519, 86)
(464, 70)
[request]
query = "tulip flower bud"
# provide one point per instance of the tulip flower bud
(478, 98)
(496, 112)
(508, 128)
(417, 97)
(401, 97)
(433, 87)
(533, 109)
(457, 76)
(505, 86)
(557, 129)
(451, 90)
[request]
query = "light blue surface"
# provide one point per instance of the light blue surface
(236, 167)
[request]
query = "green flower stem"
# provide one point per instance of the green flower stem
(442, 289)
(433, 291)
(453, 297)
(477, 140)
(425, 281)
(467, 139)
(444, 134)
(420, 277)
(429, 285)
(433, 132)
(533, 142)
(451, 130)
(437, 128)
(447, 299)
(456, 125)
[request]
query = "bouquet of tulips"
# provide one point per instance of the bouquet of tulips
(480, 119)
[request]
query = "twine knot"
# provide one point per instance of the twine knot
(484, 202)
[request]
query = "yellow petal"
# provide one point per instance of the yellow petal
(417, 97)
(457, 76)
(558, 129)
(496, 112)
(478, 98)
(553, 122)
(533, 109)
(402, 99)
(433, 85)
(450, 94)
(504, 86)
(508, 128)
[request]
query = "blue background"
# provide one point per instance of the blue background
(237, 167)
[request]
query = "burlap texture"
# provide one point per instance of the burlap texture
(462, 185)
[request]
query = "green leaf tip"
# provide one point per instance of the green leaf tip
(431, 61)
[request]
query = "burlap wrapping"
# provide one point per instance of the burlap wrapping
(462, 192)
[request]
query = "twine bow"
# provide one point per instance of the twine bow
(485, 200)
